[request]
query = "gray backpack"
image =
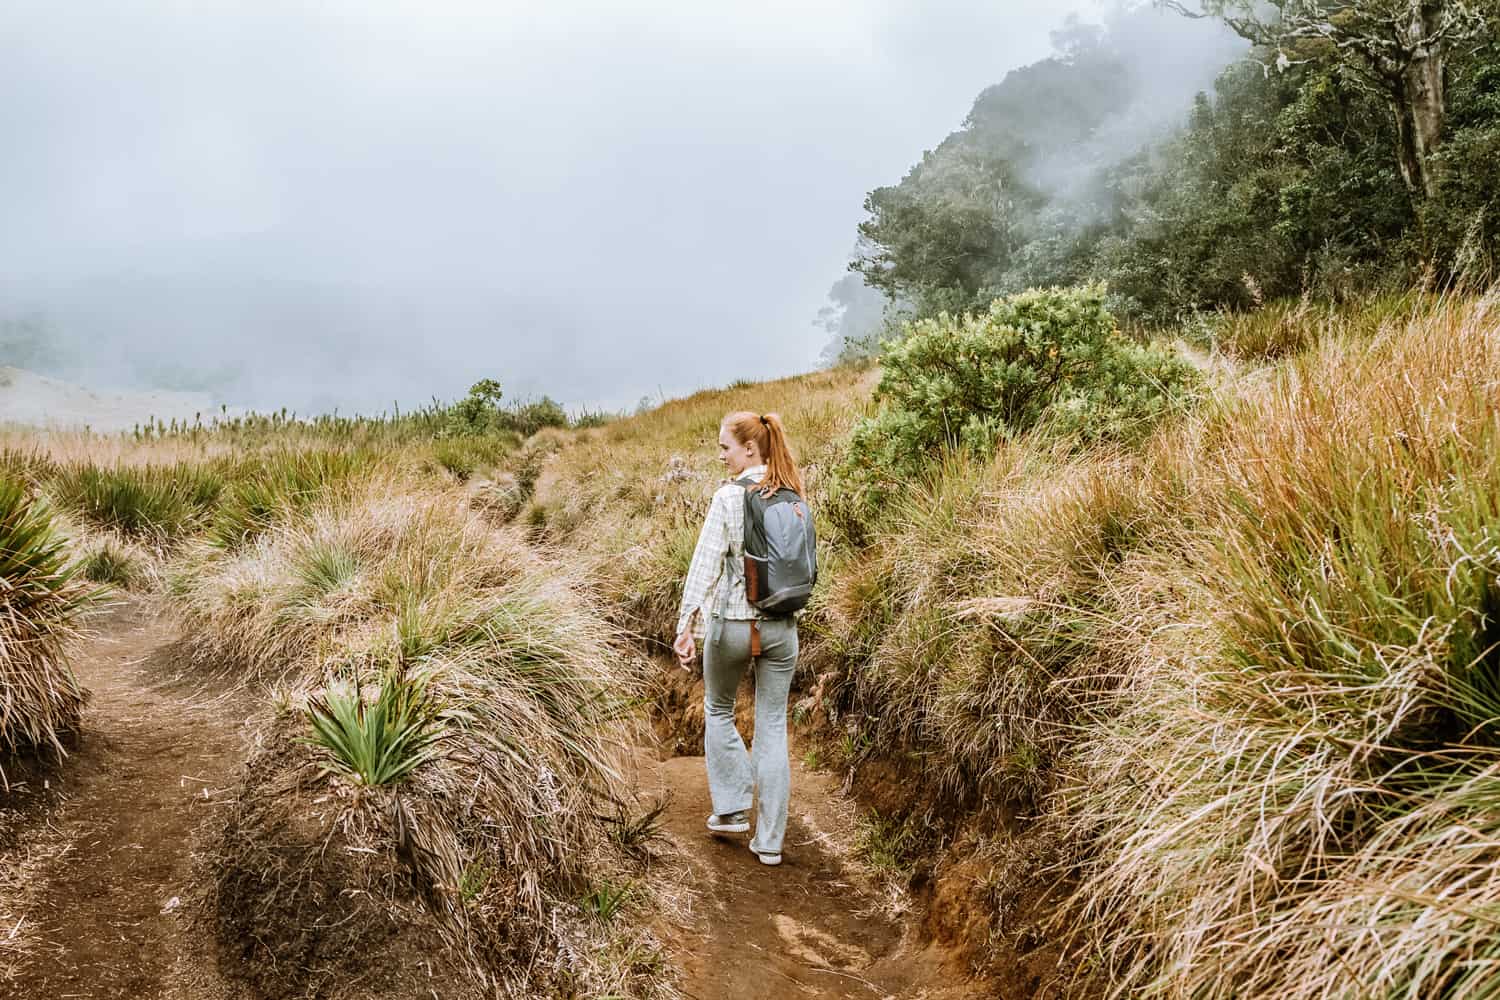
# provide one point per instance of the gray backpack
(781, 551)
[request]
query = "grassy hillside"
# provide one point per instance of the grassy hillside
(444, 712)
(1230, 690)
(1205, 705)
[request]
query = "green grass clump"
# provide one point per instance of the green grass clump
(280, 485)
(462, 457)
(605, 900)
(157, 504)
(40, 607)
(379, 742)
(110, 563)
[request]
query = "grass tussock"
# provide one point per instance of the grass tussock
(1287, 327)
(971, 631)
(492, 780)
(153, 504)
(40, 607)
(1295, 793)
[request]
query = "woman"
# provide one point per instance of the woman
(715, 612)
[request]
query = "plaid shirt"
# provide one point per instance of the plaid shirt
(707, 590)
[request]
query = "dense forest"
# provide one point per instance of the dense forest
(1342, 149)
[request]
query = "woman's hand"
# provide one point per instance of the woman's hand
(685, 649)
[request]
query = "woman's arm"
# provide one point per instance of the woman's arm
(704, 571)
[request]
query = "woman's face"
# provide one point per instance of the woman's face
(735, 456)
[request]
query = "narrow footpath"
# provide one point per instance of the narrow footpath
(807, 928)
(104, 905)
(105, 873)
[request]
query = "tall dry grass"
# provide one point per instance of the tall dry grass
(504, 829)
(41, 602)
(1295, 792)
(972, 629)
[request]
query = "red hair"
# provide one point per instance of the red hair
(770, 441)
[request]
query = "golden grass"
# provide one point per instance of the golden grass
(1248, 666)
(1295, 791)
(530, 681)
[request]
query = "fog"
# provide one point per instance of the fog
(354, 204)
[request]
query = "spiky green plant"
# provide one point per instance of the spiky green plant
(279, 486)
(380, 742)
(605, 900)
(110, 563)
(40, 603)
(154, 503)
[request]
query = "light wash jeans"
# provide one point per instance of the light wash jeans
(732, 772)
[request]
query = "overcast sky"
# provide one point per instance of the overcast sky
(598, 200)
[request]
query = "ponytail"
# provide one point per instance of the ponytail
(770, 441)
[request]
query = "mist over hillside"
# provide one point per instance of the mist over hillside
(1040, 150)
(309, 346)
(393, 205)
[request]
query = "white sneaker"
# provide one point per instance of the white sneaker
(735, 822)
(766, 859)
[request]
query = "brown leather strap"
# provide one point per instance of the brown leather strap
(754, 638)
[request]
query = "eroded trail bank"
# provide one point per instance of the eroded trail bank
(806, 928)
(108, 868)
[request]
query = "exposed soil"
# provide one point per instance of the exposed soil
(108, 865)
(810, 927)
(98, 905)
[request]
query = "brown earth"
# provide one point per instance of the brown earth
(108, 863)
(809, 927)
(100, 896)
(815, 926)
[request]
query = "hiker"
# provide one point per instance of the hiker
(739, 604)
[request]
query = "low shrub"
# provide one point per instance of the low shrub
(109, 562)
(278, 486)
(1051, 357)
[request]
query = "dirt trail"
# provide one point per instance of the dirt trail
(805, 928)
(153, 759)
(158, 754)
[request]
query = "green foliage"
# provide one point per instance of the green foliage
(480, 413)
(110, 563)
(154, 503)
(965, 383)
(279, 485)
(594, 418)
(605, 900)
(461, 457)
(1276, 184)
(634, 832)
(40, 606)
(528, 418)
(476, 412)
(377, 743)
(888, 845)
